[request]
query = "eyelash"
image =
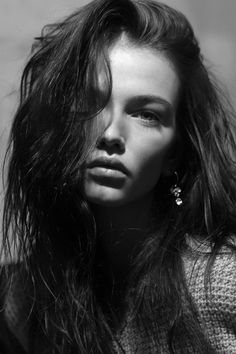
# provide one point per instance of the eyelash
(150, 119)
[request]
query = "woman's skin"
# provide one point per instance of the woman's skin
(136, 147)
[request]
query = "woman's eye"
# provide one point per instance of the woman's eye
(148, 117)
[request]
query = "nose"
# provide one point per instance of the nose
(113, 137)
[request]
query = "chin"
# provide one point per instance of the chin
(106, 202)
(106, 198)
(111, 194)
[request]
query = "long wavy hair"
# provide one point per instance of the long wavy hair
(46, 217)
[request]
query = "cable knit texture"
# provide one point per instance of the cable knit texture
(216, 312)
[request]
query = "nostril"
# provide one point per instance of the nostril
(115, 144)
(100, 143)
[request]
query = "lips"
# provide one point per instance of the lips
(108, 164)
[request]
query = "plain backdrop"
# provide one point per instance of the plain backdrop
(214, 22)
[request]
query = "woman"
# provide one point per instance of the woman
(121, 190)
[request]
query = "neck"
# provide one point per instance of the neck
(122, 230)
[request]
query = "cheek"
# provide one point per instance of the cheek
(151, 169)
(152, 159)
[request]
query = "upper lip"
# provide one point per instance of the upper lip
(108, 162)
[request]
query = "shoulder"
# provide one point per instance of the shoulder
(214, 294)
(215, 282)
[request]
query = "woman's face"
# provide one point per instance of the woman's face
(138, 125)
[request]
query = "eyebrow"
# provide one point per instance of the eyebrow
(142, 100)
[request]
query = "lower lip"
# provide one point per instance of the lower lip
(106, 172)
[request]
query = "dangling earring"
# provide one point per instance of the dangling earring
(175, 190)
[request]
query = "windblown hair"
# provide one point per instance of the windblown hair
(46, 215)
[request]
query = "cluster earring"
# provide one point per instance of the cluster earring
(175, 190)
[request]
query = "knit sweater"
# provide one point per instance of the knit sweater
(217, 316)
(216, 313)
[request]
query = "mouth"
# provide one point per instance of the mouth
(108, 166)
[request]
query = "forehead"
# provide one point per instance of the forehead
(142, 70)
